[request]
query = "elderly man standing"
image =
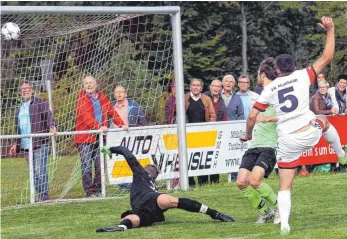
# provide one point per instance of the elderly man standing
(34, 117)
(199, 108)
(93, 109)
(129, 110)
(219, 108)
(248, 97)
(232, 101)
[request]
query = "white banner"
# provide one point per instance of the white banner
(213, 148)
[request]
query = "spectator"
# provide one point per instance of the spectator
(34, 117)
(248, 97)
(217, 100)
(314, 86)
(129, 110)
(93, 107)
(199, 108)
(170, 106)
(321, 102)
(232, 101)
(220, 110)
(339, 94)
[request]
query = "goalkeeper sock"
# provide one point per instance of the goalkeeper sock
(266, 192)
(284, 206)
(254, 198)
(126, 224)
(194, 206)
(333, 138)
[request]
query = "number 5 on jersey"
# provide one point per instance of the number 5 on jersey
(283, 96)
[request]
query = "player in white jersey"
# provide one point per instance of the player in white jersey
(298, 128)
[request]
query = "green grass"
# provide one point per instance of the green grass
(319, 210)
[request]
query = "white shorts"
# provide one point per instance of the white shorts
(291, 146)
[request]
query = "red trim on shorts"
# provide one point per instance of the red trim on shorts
(260, 106)
(318, 121)
(292, 164)
(311, 73)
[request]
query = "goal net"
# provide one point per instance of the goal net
(54, 53)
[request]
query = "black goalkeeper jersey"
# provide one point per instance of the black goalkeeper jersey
(143, 187)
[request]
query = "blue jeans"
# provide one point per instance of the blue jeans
(40, 158)
(90, 153)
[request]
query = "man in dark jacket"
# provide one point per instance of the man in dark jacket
(34, 117)
(147, 204)
(220, 109)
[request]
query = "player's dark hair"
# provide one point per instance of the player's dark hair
(285, 63)
(152, 170)
(342, 76)
(267, 66)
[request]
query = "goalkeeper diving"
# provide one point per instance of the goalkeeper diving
(148, 205)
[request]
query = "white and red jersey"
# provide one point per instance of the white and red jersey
(290, 97)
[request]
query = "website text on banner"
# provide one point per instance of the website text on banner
(213, 148)
(323, 152)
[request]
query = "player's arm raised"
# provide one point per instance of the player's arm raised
(329, 48)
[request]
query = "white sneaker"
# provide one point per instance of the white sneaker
(265, 217)
(285, 230)
(277, 218)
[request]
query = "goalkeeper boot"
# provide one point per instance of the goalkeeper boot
(265, 217)
(106, 150)
(110, 229)
(343, 160)
(222, 217)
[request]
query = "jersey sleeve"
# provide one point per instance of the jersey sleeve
(311, 74)
(134, 165)
(263, 100)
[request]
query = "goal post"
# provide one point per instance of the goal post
(106, 27)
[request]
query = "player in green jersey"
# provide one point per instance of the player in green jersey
(260, 159)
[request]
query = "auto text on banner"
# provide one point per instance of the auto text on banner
(213, 148)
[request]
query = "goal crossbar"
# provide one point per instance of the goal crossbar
(89, 10)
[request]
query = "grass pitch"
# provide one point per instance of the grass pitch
(319, 210)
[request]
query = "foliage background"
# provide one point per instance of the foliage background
(212, 46)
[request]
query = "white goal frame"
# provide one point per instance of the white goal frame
(175, 14)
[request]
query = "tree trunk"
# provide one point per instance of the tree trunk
(244, 40)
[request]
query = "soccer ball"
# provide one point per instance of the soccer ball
(10, 31)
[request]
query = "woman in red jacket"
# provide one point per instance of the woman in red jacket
(93, 109)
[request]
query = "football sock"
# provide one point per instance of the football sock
(126, 224)
(284, 206)
(254, 198)
(333, 138)
(194, 206)
(266, 192)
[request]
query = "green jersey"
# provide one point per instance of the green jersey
(265, 134)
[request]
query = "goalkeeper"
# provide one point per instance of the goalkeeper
(148, 205)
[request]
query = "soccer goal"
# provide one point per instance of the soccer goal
(136, 47)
